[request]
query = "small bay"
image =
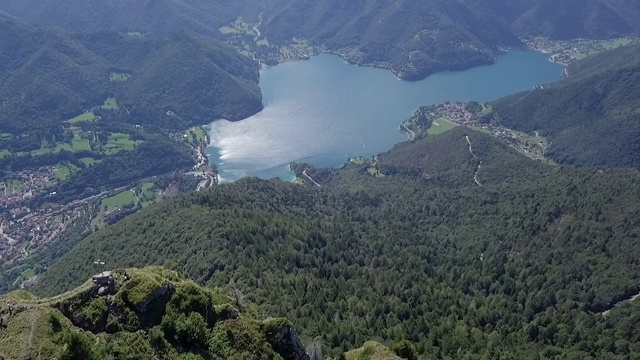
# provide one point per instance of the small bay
(324, 111)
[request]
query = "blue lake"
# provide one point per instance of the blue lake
(323, 111)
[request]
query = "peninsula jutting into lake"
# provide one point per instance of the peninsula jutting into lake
(324, 111)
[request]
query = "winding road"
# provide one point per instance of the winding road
(310, 178)
(475, 175)
(255, 28)
(620, 303)
(412, 134)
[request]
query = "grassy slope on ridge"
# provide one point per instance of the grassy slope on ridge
(152, 314)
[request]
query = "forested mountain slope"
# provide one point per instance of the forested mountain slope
(570, 19)
(157, 18)
(591, 117)
(413, 38)
(45, 76)
(149, 313)
(517, 267)
(49, 77)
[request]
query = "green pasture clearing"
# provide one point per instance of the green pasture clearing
(77, 144)
(195, 135)
(13, 185)
(5, 136)
(373, 171)
(238, 27)
(531, 138)
(89, 161)
(119, 200)
(88, 116)
(486, 109)
(147, 188)
(28, 274)
(228, 30)
(45, 149)
(262, 42)
(481, 129)
(245, 52)
(4, 153)
(110, 104)
(359, 161)
(147, 194)
(586, 48)
(615, 43)
(63, 172)
(119, 142)
(119, 77)
(440, 126)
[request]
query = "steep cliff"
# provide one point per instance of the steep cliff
(149, 313)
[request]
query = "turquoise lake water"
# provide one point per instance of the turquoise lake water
(323, 111)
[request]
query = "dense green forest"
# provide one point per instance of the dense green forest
(149, 313)
(519, 267)
(589, 116)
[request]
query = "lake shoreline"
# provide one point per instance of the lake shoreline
(327, 110)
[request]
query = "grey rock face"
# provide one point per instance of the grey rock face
(288, 344)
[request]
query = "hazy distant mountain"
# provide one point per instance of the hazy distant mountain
(154, 17)
(568, 19)
(413, 38)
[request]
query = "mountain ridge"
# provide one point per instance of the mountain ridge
(149, 313)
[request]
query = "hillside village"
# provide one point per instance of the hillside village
(31, 223)
(438, 118)
(568, 51)
(28, 228)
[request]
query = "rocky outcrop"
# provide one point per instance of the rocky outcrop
(227, 312)
(287, 343)
(97, 290)
(161, 292)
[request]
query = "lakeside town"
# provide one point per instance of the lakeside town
(568, 51)
(439, 118)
